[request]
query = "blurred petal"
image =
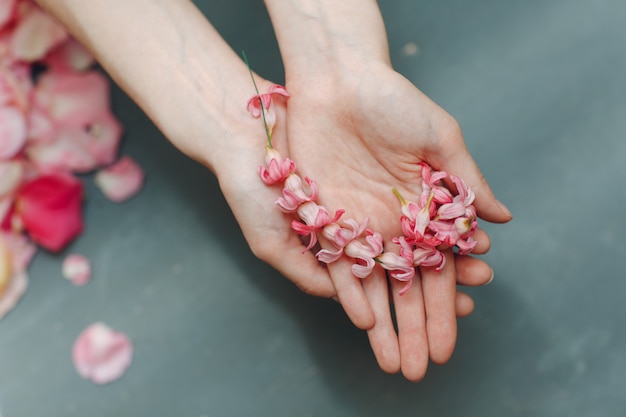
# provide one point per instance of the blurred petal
(11, 173)
(50, 208)
(16, 253)
(69, 56)
(36, 34)
(67, 151)
(101, 354)
(72, 99)
(77, 269)
(6, 11)
(120, 181)
(12, 132)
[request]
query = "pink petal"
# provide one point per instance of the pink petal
(101, 354)
(68, 56)
(50, 209)
(16, 253)
(35, 35)
(104, 137)
(6, 11)
(15, 84)
(12, 132)
(11, 173)
(77, 269)
(120, 181)
(72, 99)
(67, 151)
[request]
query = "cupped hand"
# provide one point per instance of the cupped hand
(360, 136)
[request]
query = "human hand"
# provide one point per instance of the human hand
(359, 136)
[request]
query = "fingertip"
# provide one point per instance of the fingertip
(464, 305)
(415, 372)
(441, 341)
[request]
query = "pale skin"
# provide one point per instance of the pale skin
(353, 124)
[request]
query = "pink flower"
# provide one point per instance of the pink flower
(401, 266)
(364, 254)
(120, 181)
(425, 255)
(295, 194)
(254, 105)
(315, 217)
(340, 236)
(50, 209)
(101, 354)
(276, 169)
(77, 269)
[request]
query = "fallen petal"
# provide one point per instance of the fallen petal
(101, 354)
(50, 208)
(68, 56)
(36, 34)
(12, 132)
(120, 181)
(16, 253)
(77, 269)
(11, 173)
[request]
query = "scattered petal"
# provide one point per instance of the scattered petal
(11, 173)
(16, 253)
(50, 208)
(36, 34)
(72, 99)
(70, 55)
(77, 269)
(120, 181)
(101, 354)
(12, 132)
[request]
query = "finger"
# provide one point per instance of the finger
(464, 304)
(382, 336)
(303, 269)
(351, 294)
(472, 271)
(439, 299)
(460, 163)
(483, 242)
(411, 319)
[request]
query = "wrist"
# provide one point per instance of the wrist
(322, 40)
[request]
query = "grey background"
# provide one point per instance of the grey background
(539, 88)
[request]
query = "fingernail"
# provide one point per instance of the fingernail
(504, 208)
(490, 279)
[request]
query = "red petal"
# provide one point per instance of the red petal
(50, 208)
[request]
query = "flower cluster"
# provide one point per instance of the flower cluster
(55, 122)
(300, 196)
(438, 221)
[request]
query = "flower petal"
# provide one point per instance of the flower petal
(35, 34)
(101, 354)
(16, 253)
(77, 269)
(12, 132)
(120, 181)
(50, 208)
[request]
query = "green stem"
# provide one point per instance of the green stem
(397, 194)
(267, 130)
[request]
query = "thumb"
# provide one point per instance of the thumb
(460, 163)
